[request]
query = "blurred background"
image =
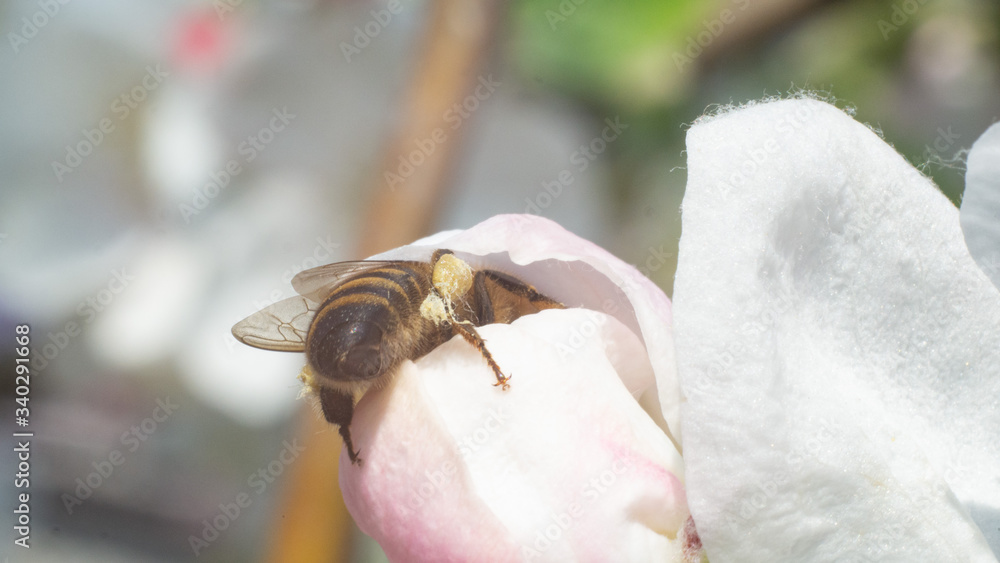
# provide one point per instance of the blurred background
(169, 165)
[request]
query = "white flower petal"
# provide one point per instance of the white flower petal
(981, 203)
(563, 466)
(579, 274)
(838, 348)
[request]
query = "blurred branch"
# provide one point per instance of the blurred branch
(312, 524)
(447, 72)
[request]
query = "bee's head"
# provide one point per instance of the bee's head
(348, 350)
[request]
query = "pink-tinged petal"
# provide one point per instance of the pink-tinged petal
(580, 274)
(563, 466)
(838, 348)
(981, 203)
(412, 493)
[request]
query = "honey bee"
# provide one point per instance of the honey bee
(357, 321)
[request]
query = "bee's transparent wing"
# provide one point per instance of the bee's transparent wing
(282, 326)
(316, 283)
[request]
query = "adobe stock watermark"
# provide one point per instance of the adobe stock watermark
(437, 480)
(590, 326)
(258, 482)
(249, 149)
(991, 265)
(122, 107)
(959, 462)
(454, 117)
(717, 371)
(581, 158)
(900, 16)
(695, 45)
(752, 160)
(562, 13)
(883, 541)
(224, 7)
(865, 218)
(656, 258)
(32, 25)
(131, 440)
(471, 443)
(323, 253)
(764, 491)
(946, 139)
(558, 523)
(366, 33)
(87, 310)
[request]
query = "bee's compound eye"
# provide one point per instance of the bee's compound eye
(351, 351)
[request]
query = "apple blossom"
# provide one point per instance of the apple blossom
(574, 462)
(838, 348)
(838, 374)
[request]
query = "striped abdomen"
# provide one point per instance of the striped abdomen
(370, 323)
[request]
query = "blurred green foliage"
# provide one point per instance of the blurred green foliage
(877, 56)
(924, 74)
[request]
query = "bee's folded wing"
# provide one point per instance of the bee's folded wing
(282, 326)
(317, 283)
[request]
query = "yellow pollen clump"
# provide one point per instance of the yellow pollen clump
(433, 309)
(452, 277)
(308, 379)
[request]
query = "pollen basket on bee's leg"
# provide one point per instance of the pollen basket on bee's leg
(452, 277)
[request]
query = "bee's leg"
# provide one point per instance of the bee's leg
(338, 408)
(520, 289)
(469, 333)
